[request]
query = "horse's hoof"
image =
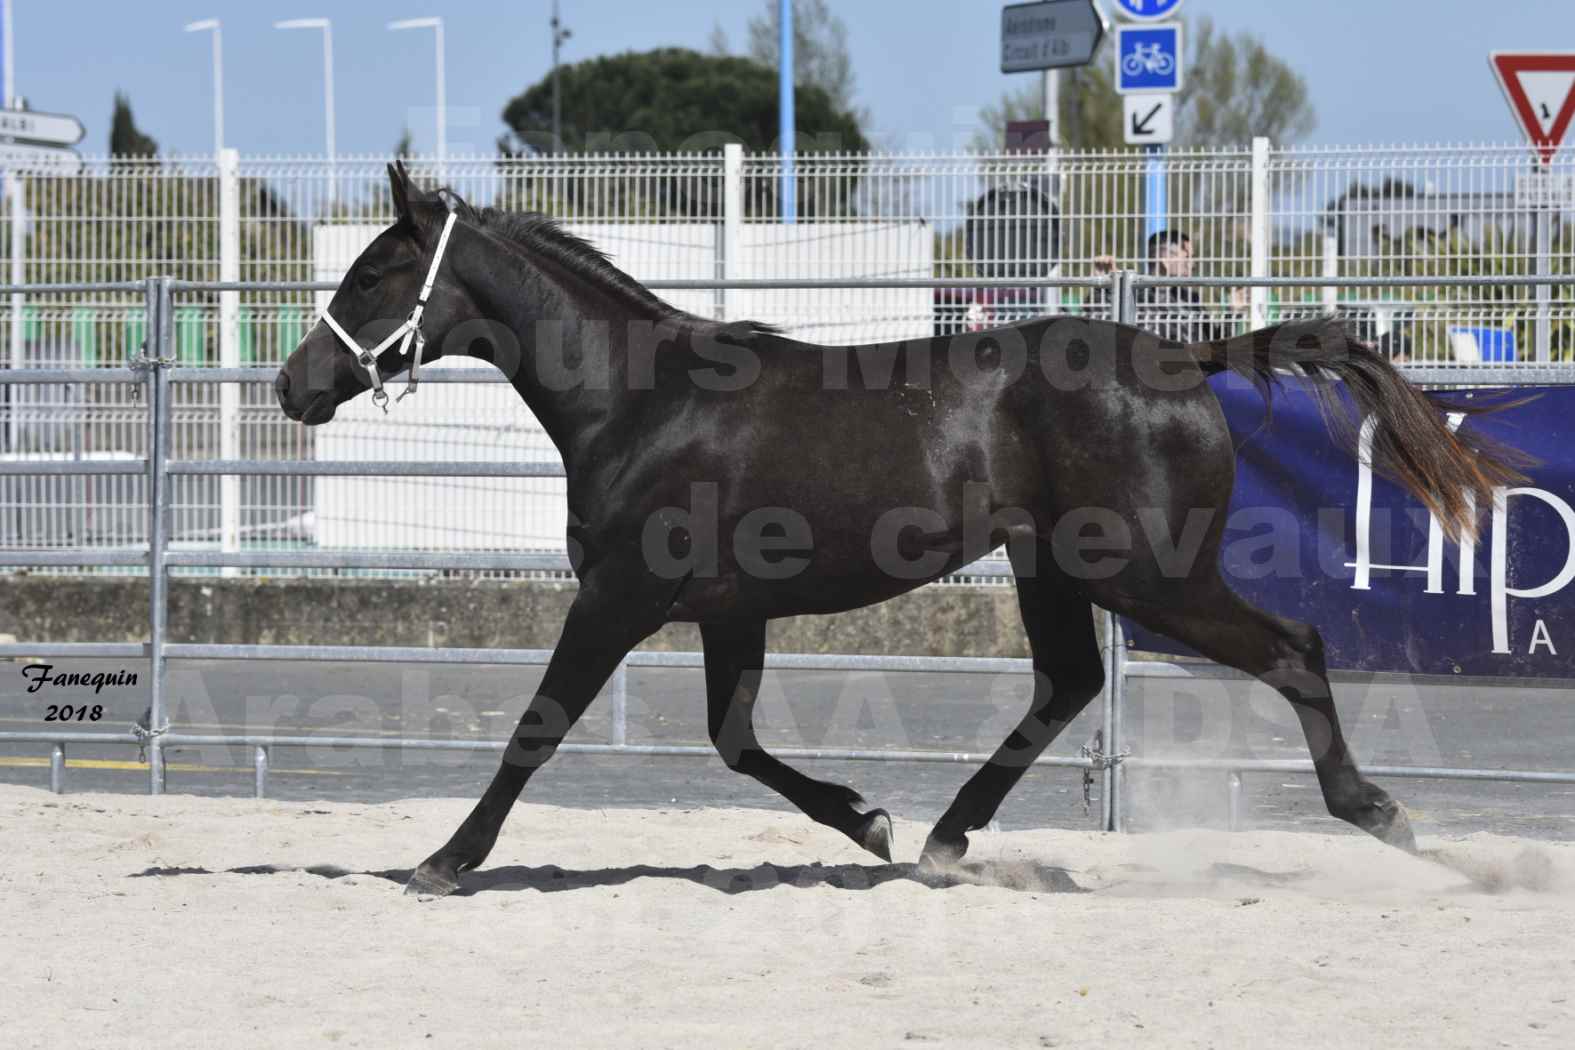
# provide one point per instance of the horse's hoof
(874, 834)
(431, 881)
(1396, 830)
(941, 854)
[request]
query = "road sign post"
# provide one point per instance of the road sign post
(1540, 89)
(1149, 60)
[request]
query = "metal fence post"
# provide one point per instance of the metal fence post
(57, 768)
(16, 191)
(619, 687)
(1260, 231)
(229, 350)
(1544, 218)
(1123, 296)
(260, 771)
(732, 223)
(159, 509)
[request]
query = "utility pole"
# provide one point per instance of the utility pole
(559, 35)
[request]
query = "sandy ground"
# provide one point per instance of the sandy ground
(183, 921)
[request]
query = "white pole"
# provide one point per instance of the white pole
(13, 188)
(435, 24)
(9, 53)
(218, 91)
(1052, 103)
(1331, 268)
(1259, 298)
(442, 105)
(218, 79)
(1050, 298)
(328, 109)
(229, 349)
(16, 189)
(732, 224)
(328, 89)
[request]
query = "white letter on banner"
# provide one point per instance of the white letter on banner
(1499, 570)
(1364, 514)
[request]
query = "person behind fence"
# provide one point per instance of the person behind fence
(1177, 312)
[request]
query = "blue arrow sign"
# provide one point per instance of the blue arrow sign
(1148, 10)
(1148, 58)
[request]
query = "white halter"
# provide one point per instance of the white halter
(405, 333)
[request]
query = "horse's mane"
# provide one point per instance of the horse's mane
(542, 235)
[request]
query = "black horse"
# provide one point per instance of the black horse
(722, 474)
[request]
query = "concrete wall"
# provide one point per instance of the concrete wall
(943, 621)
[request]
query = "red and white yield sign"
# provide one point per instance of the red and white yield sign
(1540, 87)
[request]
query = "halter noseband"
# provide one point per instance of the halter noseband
(405, 333)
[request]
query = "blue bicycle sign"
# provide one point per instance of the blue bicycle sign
(1148, 58)
(1148, 10)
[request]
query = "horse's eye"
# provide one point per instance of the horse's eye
(366, 278)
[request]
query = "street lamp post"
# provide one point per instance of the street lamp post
(328, 89)
(218, 80)
(559, 34)
(435, 24)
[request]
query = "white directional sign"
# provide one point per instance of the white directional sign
(1148, 119)
(54, 129)
(1051, 34)
(19, 156)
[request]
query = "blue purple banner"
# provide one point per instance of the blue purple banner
(1314, 536)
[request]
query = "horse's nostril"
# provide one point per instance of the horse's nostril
(281, 384)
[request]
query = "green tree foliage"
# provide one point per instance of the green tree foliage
(1236, 89)
(125, 138)
(672, 99)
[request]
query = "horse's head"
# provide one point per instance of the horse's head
(377, 297)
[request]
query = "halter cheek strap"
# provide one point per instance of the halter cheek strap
(407, 333)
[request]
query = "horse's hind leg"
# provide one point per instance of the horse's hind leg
(1287, 655)
(1068, 674)
(734, 662)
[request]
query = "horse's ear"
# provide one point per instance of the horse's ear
(455, 203)
(399, 186)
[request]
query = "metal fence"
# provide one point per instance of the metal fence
(157, 374)
(1409, 212)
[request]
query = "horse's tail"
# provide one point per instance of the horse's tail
(1412, 444)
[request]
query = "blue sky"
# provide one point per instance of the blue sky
(1379, 70)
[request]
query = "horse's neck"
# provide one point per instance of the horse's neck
(572, 394)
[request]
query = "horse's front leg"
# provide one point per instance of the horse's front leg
(595, 638)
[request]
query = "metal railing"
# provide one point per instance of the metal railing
(1255, 209)
(154, 370)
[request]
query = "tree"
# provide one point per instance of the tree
(1234, 89)
(405, 145)
(820, 47)
(672, 99)
(125, 139)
